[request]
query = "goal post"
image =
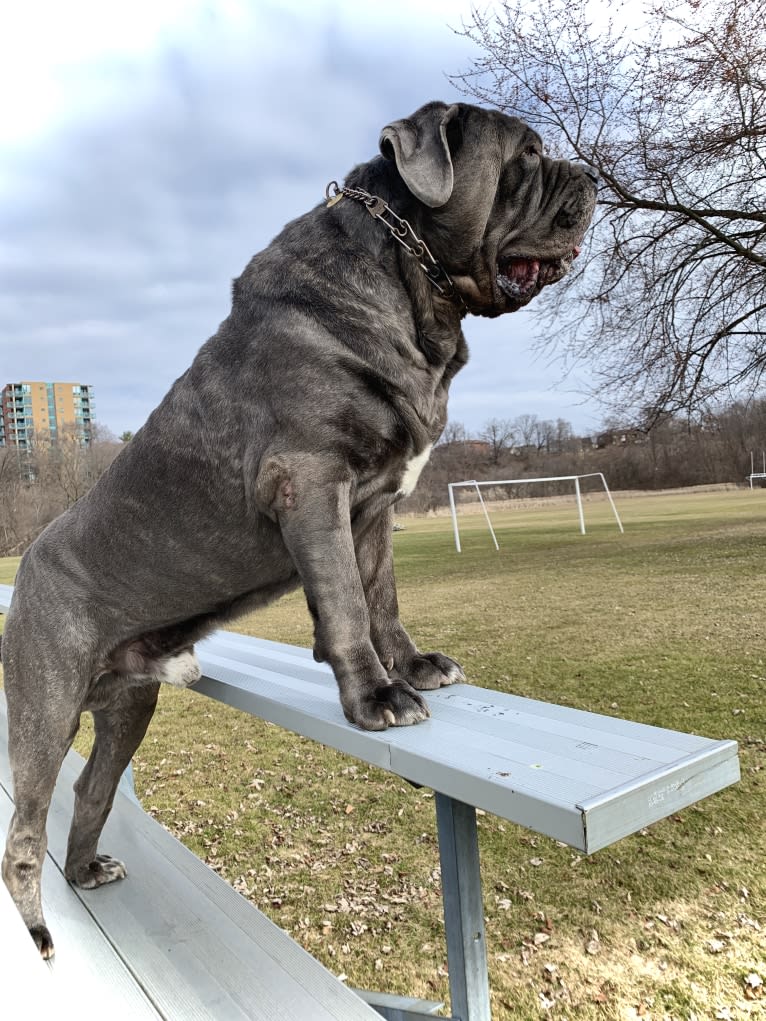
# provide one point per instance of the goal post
(473, 483)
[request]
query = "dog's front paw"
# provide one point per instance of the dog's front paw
(98, 872)
(430, 670)
(392, 704)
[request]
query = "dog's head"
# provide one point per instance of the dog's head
(503, 219)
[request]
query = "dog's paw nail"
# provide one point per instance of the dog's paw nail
(389, 717)
(433, 670)
(43, 941)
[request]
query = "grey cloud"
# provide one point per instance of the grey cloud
(122, 229)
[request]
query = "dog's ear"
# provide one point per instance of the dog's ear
(421, 146)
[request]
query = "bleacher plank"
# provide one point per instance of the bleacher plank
(582, 778)
(27, 989)
(173, 940)
(85, 959)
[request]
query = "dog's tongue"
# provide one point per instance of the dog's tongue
(523, 272)
(519, 276)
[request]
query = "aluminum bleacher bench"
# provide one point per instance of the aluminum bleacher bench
(184, 945)
(175, 941)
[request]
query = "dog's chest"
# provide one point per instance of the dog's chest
(411, 473)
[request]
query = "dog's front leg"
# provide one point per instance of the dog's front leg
(395, 648)
(309, 497)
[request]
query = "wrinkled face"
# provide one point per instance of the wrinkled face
(541, 212)
(505, 220)
(530, 214)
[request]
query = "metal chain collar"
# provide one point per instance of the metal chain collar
(402, 232)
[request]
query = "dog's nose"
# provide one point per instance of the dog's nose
(589, 172)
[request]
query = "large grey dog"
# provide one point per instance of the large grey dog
(276, 460)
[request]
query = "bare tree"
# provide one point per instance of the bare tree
(39, 482)
(499, 434)
(527, 429)
(10, 491)
(563, 437)
(66, 465)
(454, 432)
(670, 300)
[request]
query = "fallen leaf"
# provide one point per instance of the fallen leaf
(670, 922)
(753, 986)
(746, 922)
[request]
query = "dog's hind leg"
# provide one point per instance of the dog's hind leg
(40, 732)
(120, 728)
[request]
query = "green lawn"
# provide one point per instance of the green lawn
(662, 625)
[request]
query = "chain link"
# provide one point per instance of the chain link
(401, 231)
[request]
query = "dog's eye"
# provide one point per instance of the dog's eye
(532, 150)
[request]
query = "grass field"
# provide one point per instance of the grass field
(663, 625)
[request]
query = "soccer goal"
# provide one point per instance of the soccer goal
(753, 473)
(472, 483)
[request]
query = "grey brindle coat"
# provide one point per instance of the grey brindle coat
(275, 461)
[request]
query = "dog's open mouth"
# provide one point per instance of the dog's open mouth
(523, 278)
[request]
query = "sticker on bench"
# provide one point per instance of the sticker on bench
(658, 796)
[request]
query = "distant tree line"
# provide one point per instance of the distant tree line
(714, 448)
(39, 483)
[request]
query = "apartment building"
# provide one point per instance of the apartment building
(30, 410)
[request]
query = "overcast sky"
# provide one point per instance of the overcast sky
(149, 149)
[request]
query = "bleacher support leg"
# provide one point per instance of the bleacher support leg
(463, 909)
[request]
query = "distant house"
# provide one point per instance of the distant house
(618, 438)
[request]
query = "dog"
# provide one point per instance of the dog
(276, 461)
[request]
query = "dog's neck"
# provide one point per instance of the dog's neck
(402, 232)
(437, 315)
